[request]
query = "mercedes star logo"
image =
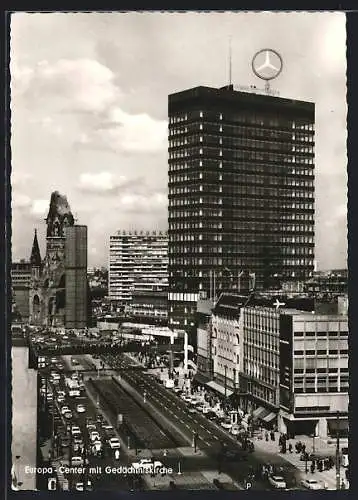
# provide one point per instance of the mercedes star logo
(267, 64)
(278, 304)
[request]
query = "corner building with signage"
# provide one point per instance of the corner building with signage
(241, 194)
(295, 370)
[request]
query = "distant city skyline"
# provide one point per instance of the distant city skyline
(89, 112)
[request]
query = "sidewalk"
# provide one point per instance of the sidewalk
(321, 447)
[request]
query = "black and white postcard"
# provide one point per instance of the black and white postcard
(179, 315)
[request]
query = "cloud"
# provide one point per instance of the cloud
(122, 132)
(40, 207)
(137, 203)
(85, 90)
(20, 201)
(139, 132)
(106, 183)
(19, 178)
(77, 84)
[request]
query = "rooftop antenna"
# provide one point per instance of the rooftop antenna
(230, 61)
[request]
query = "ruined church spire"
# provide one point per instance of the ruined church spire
(35, 258)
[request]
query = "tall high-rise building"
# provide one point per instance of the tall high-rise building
(241, 194)
(138, 264)
(76, 276)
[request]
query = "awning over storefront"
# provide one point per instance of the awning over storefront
(257, 413)
(269, 417)
(333, 424)
(219, 388)
(201, 379)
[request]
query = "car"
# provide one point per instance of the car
(68, 414)
(226, 424)
(74, 393)
(64, 409)
(97, 444)
(235, 430)
(277, 482)
(59, 366)
(192, 409)
(177, 390)
(75, 430)
(81, 408)
(78, 440)
(147, 464)
(77, 461)
(61, 393)
(65, 442)
(94, 435)
(114, 443)
(81, 487)
(91, 427)
(311, 484)
(49, 396)
(234, 455)
(107, 427)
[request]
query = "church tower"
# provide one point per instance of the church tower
(35, 295)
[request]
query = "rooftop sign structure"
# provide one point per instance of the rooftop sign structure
(267, 64)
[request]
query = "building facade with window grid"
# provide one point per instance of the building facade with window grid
(138, 266)
(260, 376)
(241, 193)
(320, 382)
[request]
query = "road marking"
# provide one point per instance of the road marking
(186, 425)
(215, 437)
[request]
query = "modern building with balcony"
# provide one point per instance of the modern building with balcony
(138, 271)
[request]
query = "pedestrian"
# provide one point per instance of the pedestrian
(266, 436)
(343, 485)
(290, 447)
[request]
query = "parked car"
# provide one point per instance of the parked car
(114, 443)
(311, 484)
(65, 409)
(235, 430)
(75, 430)
(147, 464)
(81, 408)
(226, 424)
(81, 487)
(68, 414)
(277, 482)
(77, 461)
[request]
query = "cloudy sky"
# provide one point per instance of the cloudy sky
(89, 111)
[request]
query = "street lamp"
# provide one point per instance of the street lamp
(338, 461)
(225, 380)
